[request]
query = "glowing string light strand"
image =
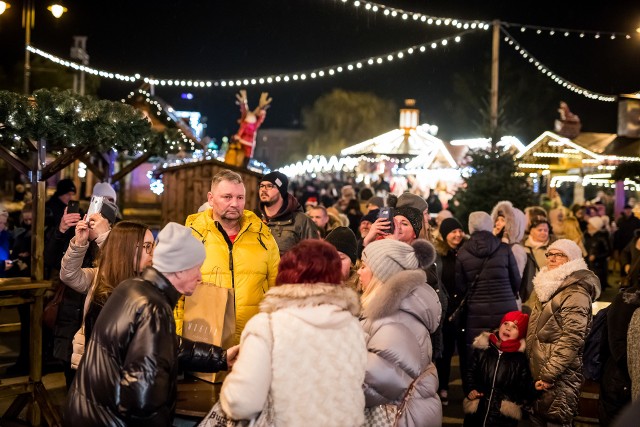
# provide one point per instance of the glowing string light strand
(321, 72)
(553, 76)
(407, 15)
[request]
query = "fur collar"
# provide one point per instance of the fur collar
(309, 295)
(547, 282)
(481, 342)
(390, 294)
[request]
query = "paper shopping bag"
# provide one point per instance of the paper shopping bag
(210, 316)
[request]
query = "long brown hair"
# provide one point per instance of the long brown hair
(119, 258)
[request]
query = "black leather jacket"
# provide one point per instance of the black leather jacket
(128, 373)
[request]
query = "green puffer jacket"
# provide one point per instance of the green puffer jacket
(560, 320)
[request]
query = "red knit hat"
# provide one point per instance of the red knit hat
(520, 319)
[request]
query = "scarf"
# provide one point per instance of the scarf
(508, 346)
(547, 282)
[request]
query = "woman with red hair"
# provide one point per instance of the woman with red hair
(284, 349)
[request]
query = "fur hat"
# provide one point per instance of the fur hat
(105, 190)
(345, 241)
(280, 180)
(449, 225)
(413, 200)
(413, 215)
(567, 247)
(177, 249)
(480, 221)
(520, 319)
(387, 257)
(65, 186)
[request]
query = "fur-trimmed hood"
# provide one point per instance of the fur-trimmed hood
(548, 282)
(310, 295)
(632, 296)
(406, 291)
(514, 218)
(482, 342)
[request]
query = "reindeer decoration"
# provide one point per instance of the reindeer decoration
(244, 141)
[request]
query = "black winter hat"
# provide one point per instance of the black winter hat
(109, 210)
(65, 186)
(280, 180)
(448, 225)
(413, 215)
(344, 241)
(371, 216)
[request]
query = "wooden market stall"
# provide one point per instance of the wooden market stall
(186, 187)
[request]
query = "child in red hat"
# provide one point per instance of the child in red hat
(498, 379)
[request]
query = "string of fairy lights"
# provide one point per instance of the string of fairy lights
(553, 76)
(371, 7)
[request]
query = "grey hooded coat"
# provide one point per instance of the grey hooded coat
(398, 321)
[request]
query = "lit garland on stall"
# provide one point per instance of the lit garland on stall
(553, 76)
(566, 32)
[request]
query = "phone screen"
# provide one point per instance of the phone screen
(73, 206)
(387, 213)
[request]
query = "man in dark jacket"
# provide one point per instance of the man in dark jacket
(128, 373)
(283, 214)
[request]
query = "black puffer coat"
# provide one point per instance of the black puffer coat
(503, 378)
(494, 294)
(615, 387)
(128, 373)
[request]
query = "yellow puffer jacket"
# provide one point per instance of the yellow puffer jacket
(255, 259)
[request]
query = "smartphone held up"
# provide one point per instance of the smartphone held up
(387, 213)
(95, 206)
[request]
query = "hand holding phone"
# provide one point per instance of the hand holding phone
(95, 206)
(387, 213)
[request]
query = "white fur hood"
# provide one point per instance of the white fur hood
(547, 282)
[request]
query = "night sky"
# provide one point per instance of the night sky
(236, 39)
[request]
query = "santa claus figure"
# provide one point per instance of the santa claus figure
(244, 141)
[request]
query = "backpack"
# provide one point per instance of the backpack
(593, 357)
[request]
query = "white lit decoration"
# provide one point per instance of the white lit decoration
(407, 15)
(321, 72)
(599, 179)
(553, 76)
(506, 143)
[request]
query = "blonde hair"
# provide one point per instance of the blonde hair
(371, 292)
(573, 232)
(226, 175)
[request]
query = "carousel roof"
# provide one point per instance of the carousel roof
(427, 149)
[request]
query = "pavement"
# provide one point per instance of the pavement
(55, 384)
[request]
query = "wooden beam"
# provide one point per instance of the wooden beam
(64, 160)
(17, 163)
(130, 167)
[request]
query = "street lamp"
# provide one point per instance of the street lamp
(28, 12)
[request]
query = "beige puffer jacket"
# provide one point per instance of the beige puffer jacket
(560, 320)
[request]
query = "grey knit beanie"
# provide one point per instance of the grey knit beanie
(413, 200)
(480, 221)
(387, 257)
(177, 249)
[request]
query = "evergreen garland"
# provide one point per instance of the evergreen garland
(491, 178)
(66, 120)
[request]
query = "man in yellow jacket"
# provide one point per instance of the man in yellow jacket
(241, 252)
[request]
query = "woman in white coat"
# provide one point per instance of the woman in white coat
(305, 348)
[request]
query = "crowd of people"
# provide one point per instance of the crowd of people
(347, 306)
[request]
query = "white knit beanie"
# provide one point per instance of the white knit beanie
(387, 257)
(177, 249)
(105, 190)
(567, 247)
(480, 221)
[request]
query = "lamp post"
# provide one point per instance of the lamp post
(28, 19)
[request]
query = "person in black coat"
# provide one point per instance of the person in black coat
(615, 386)
(128, 375)
(596, 242)
(498, 381)
(492, 262)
